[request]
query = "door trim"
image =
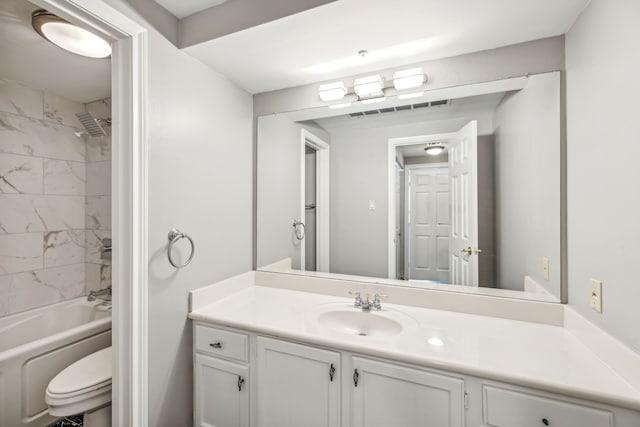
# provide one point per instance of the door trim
(129, 199)
(392, 144)
(323, 156)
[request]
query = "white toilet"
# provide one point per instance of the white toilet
(83, 387)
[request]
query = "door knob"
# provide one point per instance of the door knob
(469, 250)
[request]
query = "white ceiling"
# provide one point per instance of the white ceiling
(322, 43)
(183, 8)
(28, 58)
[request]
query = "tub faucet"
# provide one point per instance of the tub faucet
(93, 295)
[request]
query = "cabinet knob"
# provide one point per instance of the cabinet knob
(240, 382)
(545, 421)
(216, 344)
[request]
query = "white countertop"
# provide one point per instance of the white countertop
(528, 354)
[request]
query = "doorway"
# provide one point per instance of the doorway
(314, 202)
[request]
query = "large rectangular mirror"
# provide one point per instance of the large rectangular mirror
(457, 191)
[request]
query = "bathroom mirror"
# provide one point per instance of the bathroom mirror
(457, 189)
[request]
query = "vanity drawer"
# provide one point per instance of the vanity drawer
(218, 342)
(507, 408)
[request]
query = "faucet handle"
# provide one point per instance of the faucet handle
(376, 300)
(358, 301)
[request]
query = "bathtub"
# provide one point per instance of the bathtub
(37, 344)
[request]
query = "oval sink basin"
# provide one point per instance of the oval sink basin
(363, 323)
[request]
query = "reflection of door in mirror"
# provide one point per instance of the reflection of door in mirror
(310, 208)
(463, 170)
(427, 221)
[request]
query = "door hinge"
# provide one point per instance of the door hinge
(356, 377)
(466, 400)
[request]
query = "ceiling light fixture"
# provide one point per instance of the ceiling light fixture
(369, 86)
(434, 148)
(332, 91)
(69, 36)
(409, 79)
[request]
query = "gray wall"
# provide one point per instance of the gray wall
(527, 164)
(603, 148)
(198, 121)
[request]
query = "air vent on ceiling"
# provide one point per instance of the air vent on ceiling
(402, 108)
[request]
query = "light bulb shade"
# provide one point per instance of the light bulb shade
(332, 91)
(369, 87)
(68, 36)
(408, 79)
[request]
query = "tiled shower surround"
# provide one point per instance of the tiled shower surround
(55, 199)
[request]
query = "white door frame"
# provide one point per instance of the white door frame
(323, 154)
(407, 194)
(129, 196)
(392, 144)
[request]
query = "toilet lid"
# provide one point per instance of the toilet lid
(88, 372)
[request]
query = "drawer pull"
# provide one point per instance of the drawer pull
(545, 421)
(216, 345)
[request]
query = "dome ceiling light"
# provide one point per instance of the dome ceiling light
(434, 148)
(68, 36)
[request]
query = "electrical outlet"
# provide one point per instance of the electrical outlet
(372, 205)
(545, 268)
(596, 295)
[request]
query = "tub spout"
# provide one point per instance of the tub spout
(93, 295)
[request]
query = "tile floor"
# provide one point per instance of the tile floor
(72, 421)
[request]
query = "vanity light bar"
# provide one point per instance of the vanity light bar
(409, 79)
(332, 91)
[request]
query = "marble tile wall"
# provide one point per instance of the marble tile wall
(55, 200)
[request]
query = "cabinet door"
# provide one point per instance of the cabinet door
(297, 385)
(221, 393)
(390, 395)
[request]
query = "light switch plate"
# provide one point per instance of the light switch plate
(545, 268)
(596, 295)
(372, 205)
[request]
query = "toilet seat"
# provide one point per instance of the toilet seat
(82, 386)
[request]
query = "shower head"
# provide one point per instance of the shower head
(93, 126)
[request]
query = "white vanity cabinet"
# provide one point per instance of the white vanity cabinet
(386, 394)
(221, 393)
(245, 379)
(297, 385)
(221, 378)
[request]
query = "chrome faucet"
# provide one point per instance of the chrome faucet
(367, 304)
(93, 295)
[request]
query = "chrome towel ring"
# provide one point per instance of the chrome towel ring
(174, 236)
